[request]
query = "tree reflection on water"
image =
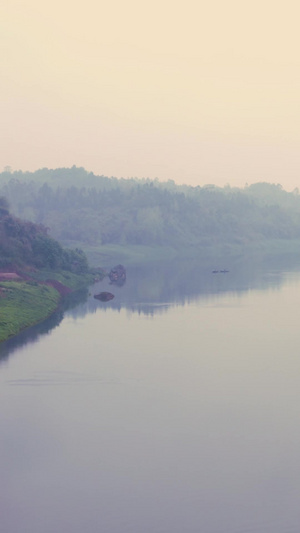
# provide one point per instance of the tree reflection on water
(153, 288)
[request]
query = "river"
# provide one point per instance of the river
(173, 408)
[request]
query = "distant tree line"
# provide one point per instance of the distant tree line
(76, 205)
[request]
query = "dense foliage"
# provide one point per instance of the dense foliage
(77, 205)
(24, 243)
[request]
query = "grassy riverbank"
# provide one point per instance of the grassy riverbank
(109, 254)
(72, 281)
(25, 303)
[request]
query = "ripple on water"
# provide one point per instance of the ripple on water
(58, 378)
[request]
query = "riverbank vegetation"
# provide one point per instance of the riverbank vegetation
(23, 304)
(35, 271)
(108, 215)
(52, 220)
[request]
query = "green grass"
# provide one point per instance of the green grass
(109, 255)
(23, 304)
(69, 279)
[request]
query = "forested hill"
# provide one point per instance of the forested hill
(79, 206)
(25, 244)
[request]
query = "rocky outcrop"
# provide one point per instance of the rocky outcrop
(104, 296)
(117, 274)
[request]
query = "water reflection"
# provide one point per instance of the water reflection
(185, 422)
(154, 288)
(32, 335)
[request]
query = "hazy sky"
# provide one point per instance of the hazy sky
(195, 91)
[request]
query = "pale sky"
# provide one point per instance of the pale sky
(195, 91)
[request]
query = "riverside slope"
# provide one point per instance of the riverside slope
(25, 301)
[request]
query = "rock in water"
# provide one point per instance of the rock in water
(104, 296)
(117, 274)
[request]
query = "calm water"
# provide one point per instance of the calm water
(173, 408)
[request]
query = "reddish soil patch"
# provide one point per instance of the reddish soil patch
(62, 289)
(9, 276)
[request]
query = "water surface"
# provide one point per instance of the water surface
(174, 407)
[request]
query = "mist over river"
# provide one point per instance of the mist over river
(173, 408)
